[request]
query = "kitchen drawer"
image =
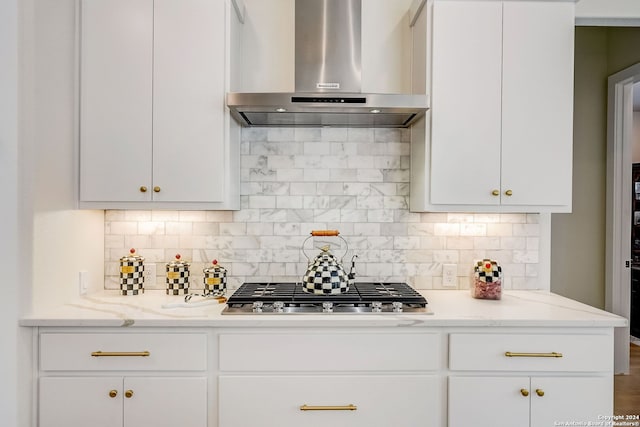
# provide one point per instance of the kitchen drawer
(379, 400)
(358, 352)
(73, 352)
(486, 352)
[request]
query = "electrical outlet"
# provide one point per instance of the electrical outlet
(150, 273)
(83, 282)
(449, 275)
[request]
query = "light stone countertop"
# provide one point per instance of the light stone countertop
(449, 308)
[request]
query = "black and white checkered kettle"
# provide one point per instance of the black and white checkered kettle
(325, 274)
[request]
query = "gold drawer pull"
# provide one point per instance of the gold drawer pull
(350, 407)
(540, 392)
(524, 392)
(553, 354)
(113, 393)
(128, 394)
(120, 353)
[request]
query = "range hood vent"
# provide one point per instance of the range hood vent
(327, 78)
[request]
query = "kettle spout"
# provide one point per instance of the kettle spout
(352, 271)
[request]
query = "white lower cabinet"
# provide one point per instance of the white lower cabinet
(440, 376)
(528, 401)
(123, 401)
(328, 400)
(122, 379)
(529, 379)
(340, 378)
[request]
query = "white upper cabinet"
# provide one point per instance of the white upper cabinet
(116, 65)
(499, 133)
(154, 132)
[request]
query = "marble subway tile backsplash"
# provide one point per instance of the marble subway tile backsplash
(353, 180)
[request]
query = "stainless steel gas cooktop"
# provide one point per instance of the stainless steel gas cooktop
(361, 298)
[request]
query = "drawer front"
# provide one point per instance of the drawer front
(378, 401)
(531, 352)
(358, 352)
(140, 352)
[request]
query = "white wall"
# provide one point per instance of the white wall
(13, 389)
(608, 12)
(37, 220)
(64, 240)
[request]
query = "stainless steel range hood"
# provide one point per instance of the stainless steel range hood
(327, 78)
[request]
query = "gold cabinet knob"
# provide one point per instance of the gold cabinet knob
(524, 392)
(156, 189)
(113, 393)
(540, 392)
(143, 189)
(128, 394)
(509, 193)
(495, 193)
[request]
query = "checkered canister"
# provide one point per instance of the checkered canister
(131, 274)
(178, 277)
(215, 279)
(486, 282)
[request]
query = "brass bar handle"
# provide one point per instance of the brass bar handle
(350, 407)
(120, 353)
(552, 354)
(325, 233)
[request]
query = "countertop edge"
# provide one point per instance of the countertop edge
(450, 309)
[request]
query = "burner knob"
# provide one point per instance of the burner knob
(376, 307)
(278, 307)
(257, 306)
(327, 307)
(397, 307)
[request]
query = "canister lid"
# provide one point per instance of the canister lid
(176, 263)
(216, 268)
(487, 268)
(132, 257)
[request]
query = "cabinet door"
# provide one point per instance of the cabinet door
(570, 399)
(165, 402)
(488, 401)
(80, 402)
(537, 103)
(115, 100)
(466, 99)
(189, 100)
(380, 401)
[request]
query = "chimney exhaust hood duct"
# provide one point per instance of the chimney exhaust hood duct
(327, 78)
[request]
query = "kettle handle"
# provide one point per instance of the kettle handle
(324, 233)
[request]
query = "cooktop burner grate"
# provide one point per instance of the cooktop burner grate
(290, 297)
